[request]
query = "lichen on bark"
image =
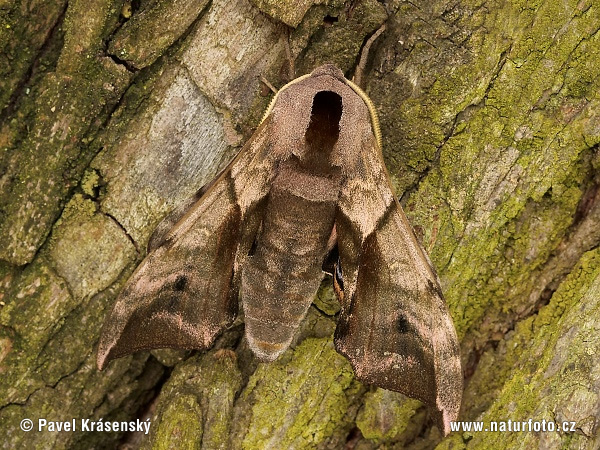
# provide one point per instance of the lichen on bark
(40, 169)
(196, 405)
(545, 370)
(311, 389)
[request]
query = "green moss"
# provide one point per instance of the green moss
(153, 30)
(78, 206)
(20, 42)
(88, 249)
(571, 290)
(90, 183)
(543, 370)
(385, 415)
(25, 331)
(299, 400)
(38, 285)
(181, 424)
(44, 317)
(196, 405)
(62, 119)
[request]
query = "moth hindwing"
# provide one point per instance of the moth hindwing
(311, 174)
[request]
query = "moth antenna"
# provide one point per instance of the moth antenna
(289, 55)
(364, 54)
(372, 111)
(274, 99)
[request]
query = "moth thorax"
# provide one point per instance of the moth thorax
(323, 129)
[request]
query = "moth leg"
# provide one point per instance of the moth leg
(338, 282)
(290, 59)
(364, 56)
(332, 256)
(268, 84)
(332, 242)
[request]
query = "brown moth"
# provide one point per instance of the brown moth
(311, 174)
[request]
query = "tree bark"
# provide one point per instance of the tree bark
(112, 113)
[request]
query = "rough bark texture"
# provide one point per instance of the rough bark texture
(110, 116)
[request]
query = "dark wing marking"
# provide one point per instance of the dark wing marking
(394, 325)
(184, 293)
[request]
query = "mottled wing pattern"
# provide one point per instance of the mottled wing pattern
(184, 293)
(394, 325)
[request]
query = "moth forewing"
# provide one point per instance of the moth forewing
(262, 230)
(184, 293)
(394, 325)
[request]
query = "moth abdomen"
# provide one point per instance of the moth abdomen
(281, 278)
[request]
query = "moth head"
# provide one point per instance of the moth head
(328, 70)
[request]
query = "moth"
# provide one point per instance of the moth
(311, 180)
